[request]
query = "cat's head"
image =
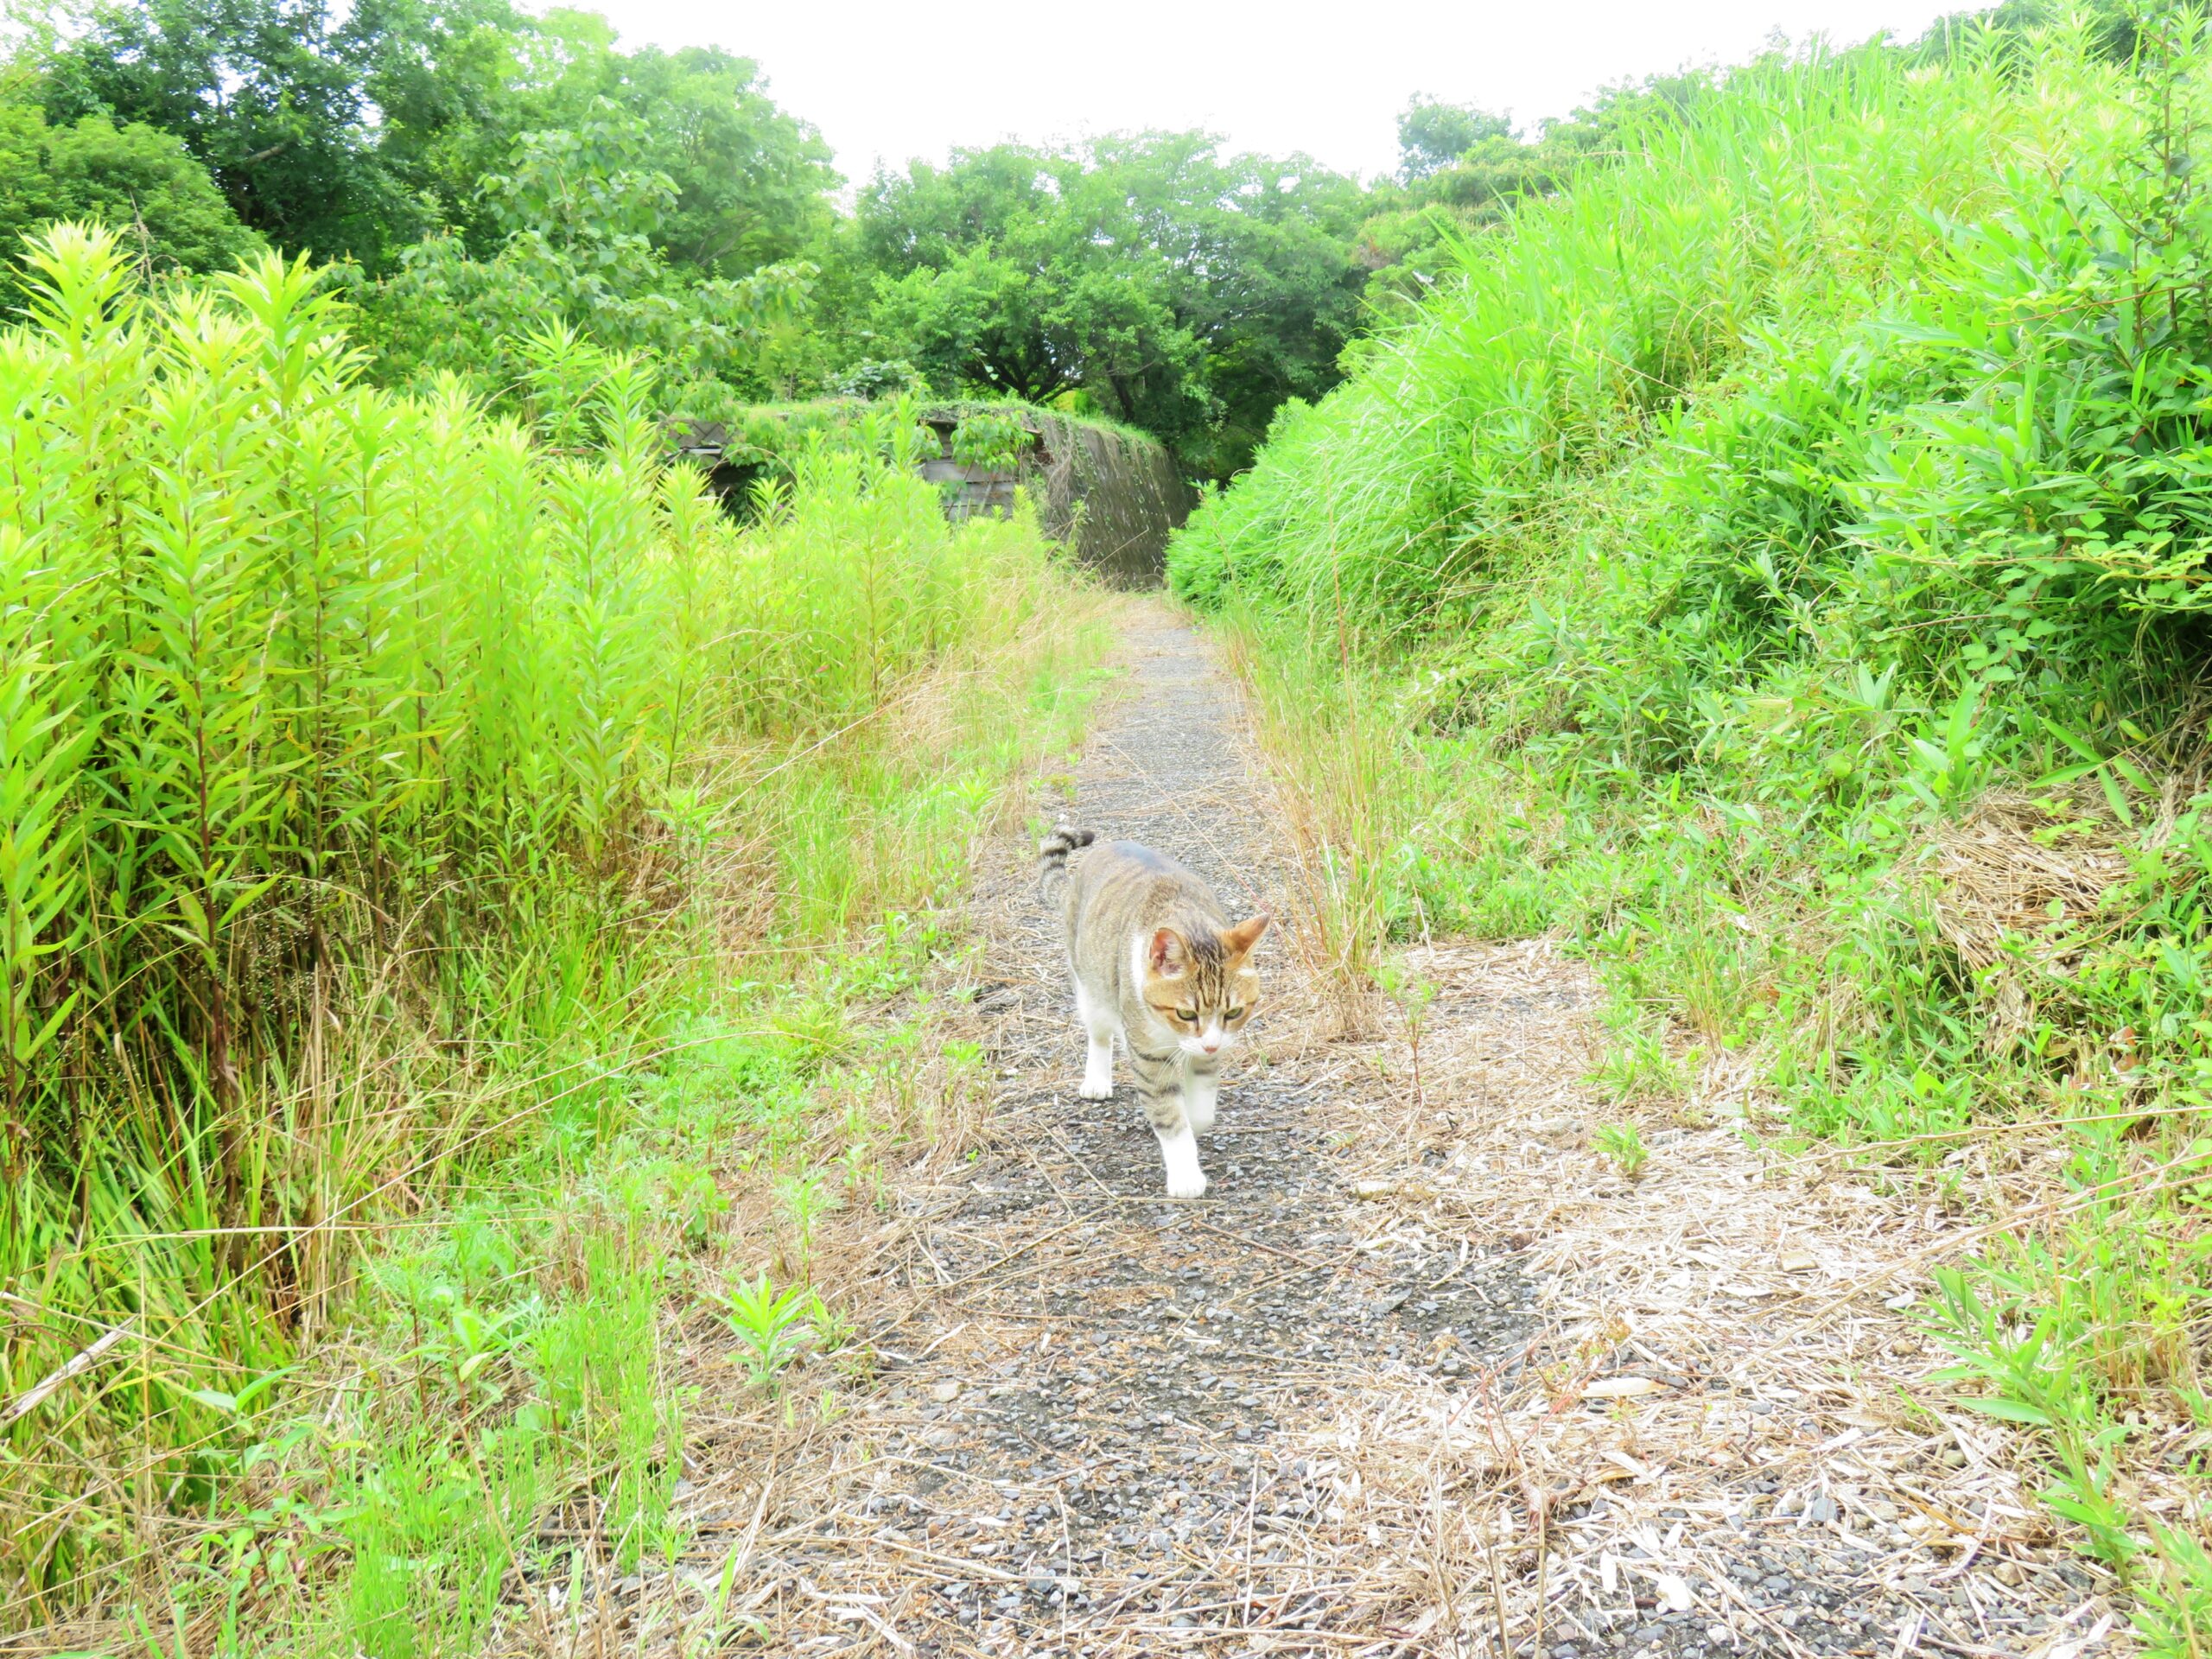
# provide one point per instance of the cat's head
(1201, 985)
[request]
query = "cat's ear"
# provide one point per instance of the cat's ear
(1168, 954)
(1242, 936)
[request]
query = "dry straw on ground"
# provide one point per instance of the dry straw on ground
(1425, 1375)
(1733, 1352)
(1687, 1413)
(2023, 886)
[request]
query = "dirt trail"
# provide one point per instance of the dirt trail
(1414, 1377)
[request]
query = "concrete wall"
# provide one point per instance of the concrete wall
(1118, 498)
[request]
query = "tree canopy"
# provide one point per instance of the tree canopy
(489, 183)
(354, 136)
(140, 180)
(1434, 135)
(267, 94)
(1174, 288)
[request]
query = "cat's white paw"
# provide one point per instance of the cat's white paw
(1098, 1070)
(1179, 1153)
(1191, 1184)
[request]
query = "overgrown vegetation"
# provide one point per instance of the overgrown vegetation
(466, 905)
(1777, 562)
(483, 173)
(433, 847)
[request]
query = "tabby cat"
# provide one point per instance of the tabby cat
(1155, 959)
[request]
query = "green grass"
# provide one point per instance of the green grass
(431, 849)
(1766, 555)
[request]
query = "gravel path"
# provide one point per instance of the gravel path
(1072, 1459)
(1301, 1414)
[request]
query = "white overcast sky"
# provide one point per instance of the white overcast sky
(894, 78)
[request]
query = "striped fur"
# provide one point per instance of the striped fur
(1052, 856)
(1158, 965)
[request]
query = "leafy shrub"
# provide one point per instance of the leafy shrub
(130, 175)
(773, 1327)
(1623, 1146)
(872, 379)
(990, 439)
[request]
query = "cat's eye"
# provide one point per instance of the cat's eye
(1188, 1016)
(1235, 1014)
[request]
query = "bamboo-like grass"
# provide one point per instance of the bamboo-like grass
(367, 763)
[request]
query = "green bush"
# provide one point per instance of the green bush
(131, 175)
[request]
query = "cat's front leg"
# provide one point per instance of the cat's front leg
(1201, 1086)
(1178, 1157)
(1098, 1067)
(1160, 1078)
(1098, 1059)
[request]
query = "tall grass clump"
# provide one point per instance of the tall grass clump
(1782, 196)
(374, 775)
(1778, 565)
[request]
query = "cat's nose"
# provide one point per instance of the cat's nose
(1212, 1045)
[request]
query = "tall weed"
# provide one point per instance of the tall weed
(377, 779)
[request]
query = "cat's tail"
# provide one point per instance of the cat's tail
(1052, 856)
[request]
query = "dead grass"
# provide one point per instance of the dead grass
(1735, 1317)
(1727, 1348)
(2026, 883)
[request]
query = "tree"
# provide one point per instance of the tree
(265, 93)
(355, 131)
(452, 83)
(1268, 286)
(141, 182)
(486, 174)
(1433, 136)
(1166, 285)
(752, 183)
(458, 83)
(982, 320)
(579, 210)
(924, 216)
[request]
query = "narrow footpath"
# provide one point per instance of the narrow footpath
(1421, 1375)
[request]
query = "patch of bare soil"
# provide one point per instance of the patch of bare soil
(1420, 1375)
